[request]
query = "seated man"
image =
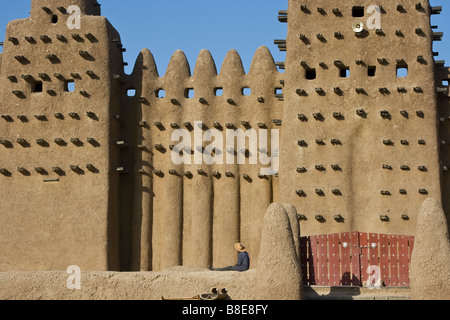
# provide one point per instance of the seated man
(243, 263)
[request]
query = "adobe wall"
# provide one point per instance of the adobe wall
(192, 214)
(164, 214)
(362, 146)
(278, 276)
(93, 183)
(58, 157)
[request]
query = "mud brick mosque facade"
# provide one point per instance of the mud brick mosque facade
(85, 150)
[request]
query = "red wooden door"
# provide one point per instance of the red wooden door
(346, 262)
(393, 241)
(322, 260)
(403, 261)
(356, 259)
(334, 260)
(314, 265)
(364, 253)
(356, 262)
(384, 259)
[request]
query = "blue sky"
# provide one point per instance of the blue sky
(165, 26)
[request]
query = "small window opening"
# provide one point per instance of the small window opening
(344, 72)
(358, 12)
(402, 71)
(278, 90)
(160, 93)
(69, 86)
(246, 91)
(189, 93)
(218, 92)
(310, 74)
(54, 18)
(131, 92)
(37, 86)
(445, 83)
(402, 68)
(371, 71)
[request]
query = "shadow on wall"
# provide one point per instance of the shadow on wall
(335, 293)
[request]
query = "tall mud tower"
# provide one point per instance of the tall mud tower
(58, 162)
(360, 147)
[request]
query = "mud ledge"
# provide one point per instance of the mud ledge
(177, 282)
(173, 283)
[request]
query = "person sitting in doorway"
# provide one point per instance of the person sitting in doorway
(243, 263)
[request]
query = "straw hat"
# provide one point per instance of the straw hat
(239, 247)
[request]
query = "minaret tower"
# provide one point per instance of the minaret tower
(360, 147)
(59, 165)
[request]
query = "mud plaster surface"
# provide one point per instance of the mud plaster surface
(173, 283)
